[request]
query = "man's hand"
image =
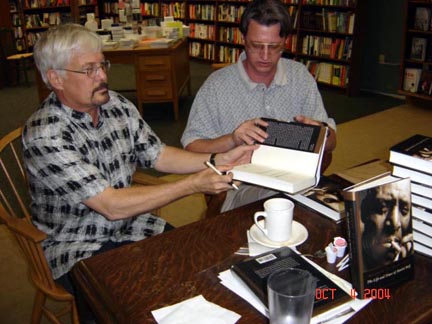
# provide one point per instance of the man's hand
(239, 155)
(249, 132)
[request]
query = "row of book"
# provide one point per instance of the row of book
(174, 9)
(111, 8)
(421, 49)
(331, 47)
(202, 50)
(422, 19)
(202, 31)
(149, 9)
(45, 3)
(46, 19)
(347, 3)
(228, 54)
(418, 80)
(412, 158)
(230, 35)
(334, 74)
(329, 21)
(230, 13)
(202, 11)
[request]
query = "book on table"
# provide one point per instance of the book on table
(254, 272)
(289, 160)
(380, 233)
(416, 176)
(326, 197)
(414, 152)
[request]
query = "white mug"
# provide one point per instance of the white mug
(278, 215)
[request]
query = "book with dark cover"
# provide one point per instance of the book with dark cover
(289, 160)
(254, 272)
(414, 152)
(380, 233)
(326, 198)
(418, 48)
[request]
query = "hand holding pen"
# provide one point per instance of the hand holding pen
(211, 166)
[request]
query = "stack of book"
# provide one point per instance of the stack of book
(413, 158)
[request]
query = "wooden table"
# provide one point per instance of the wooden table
(124, 285)
(161, 74)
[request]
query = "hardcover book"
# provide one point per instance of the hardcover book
(326, 198)
(289, 160)
(416, 176)
(414, 152)
(418, 48)
(422, 18)
(411, 79)
(254, 272)
(380, 232)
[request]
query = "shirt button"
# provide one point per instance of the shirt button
(267, 107)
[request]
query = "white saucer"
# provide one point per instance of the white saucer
(299, 235)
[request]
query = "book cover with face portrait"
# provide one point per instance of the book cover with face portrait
(380, 233)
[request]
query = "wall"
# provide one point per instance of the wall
(384, 34)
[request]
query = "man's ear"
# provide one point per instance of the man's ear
(55, 79)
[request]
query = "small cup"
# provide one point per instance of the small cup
(278, 215)
(291, 293)
(331, 253)
(340, 245)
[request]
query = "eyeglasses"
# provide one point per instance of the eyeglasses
(93, 70)
(272, 48)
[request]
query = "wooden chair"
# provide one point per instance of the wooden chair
(217, 66)
(14, 213)
(16, 62)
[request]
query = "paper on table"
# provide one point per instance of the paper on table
(195, 310)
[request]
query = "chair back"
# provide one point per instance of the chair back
(15, 214)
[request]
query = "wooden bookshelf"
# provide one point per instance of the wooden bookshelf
(327, 35)
(30, 18)
(416, 64)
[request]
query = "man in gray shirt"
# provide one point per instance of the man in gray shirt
(228, 108)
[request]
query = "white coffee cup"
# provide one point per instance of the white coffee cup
(278, 215)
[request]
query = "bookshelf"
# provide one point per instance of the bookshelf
(416, 64)
(327, 35)
(30, 18)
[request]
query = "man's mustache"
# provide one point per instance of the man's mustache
(102, 86)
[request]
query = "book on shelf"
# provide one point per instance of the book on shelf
(414, 152)
(411, 79)
(380, 234)
(416, 176)
(422, 18)
(418, 48)
(425, 83)
(326, 198)
(254, 272)
(289, 160)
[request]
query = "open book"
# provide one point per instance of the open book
(289, 160)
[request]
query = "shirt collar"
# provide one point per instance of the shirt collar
(280, 78)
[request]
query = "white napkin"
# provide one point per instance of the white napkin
(195, 310)
(255, 248)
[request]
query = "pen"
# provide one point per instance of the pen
(211, 166)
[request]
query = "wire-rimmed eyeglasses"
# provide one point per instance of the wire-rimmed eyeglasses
(258, 47)
(93, 70)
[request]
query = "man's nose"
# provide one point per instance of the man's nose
(393, 219)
